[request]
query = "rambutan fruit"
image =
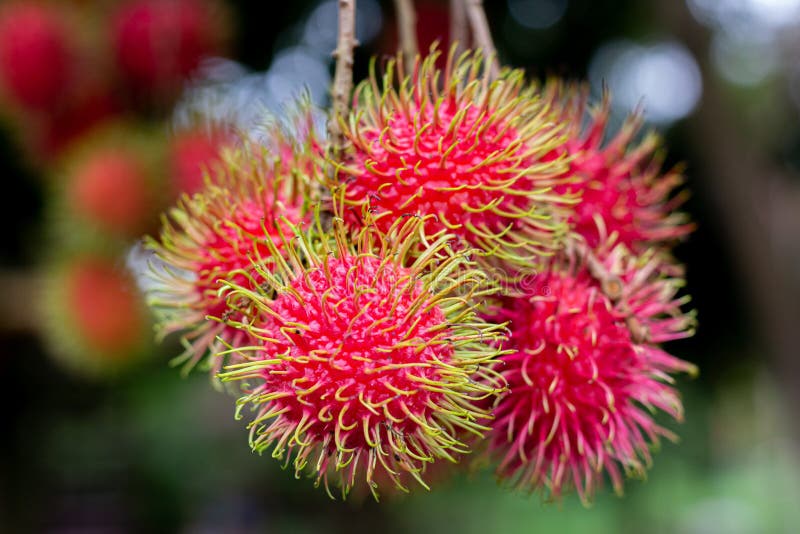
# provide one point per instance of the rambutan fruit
(95, 319)
(367, 362)
(160, 43)
(586, 373)
(217, 235)
(475, 153)
(36, 54)
(110, 186)
(624, 193)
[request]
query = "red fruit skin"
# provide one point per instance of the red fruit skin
(624, 191)
(581, 386)
(214, 236)
(110, 189)
(339, 325)
(159, 43)
(404, 184)
(36, 60)
(357, 375)
(105, 308)
(470, 155)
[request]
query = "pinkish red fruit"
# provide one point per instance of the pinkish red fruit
(193, 153)
(587, 373)
(106, 307)
(361, 357)
(159, 43)
(36, 56)
(219, 235)
(473, 153)
(625, 195)
(110, 188)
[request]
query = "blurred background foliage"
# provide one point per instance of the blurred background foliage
(111, 439)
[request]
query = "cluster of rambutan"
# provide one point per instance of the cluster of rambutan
(475, 270)
(84, 89)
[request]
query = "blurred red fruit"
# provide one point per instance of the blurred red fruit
(110, 189)
(36, 61)
(192, 154)
(104, 306)
(86, 109)
(161, 42)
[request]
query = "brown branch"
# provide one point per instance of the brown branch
(459, 33)
(481, 34)
(343, 77)
(407, 29)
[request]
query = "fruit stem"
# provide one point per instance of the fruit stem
(343, 77)
(459, 33)
(482, 35)
(407, 28)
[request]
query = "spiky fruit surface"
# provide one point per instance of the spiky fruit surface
(110, 189)
(217, 235)
(624, 192)
(95, 318)
(586, 373)
(458, 146)
(36, 59)
(159, 43)
(363, 357)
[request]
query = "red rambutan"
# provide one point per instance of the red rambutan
(624, 193)
(586, 373)
(110, 189)
(96, 321)
(367, 363)
(36, 56)
(192, 154)
(217, 234)
(466, 149)
(159, 43)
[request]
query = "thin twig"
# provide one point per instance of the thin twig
(407, 28)
(481, 34)
(343, 77)
(459, 32)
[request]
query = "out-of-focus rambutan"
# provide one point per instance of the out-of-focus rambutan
(624, 193)
(218, 234)
(110, 189)
(90, 106)
(587, 372)
(366, 363)
(464, 148)
(192, 154)
(96, 321)
(36, 54)
(159, 43)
